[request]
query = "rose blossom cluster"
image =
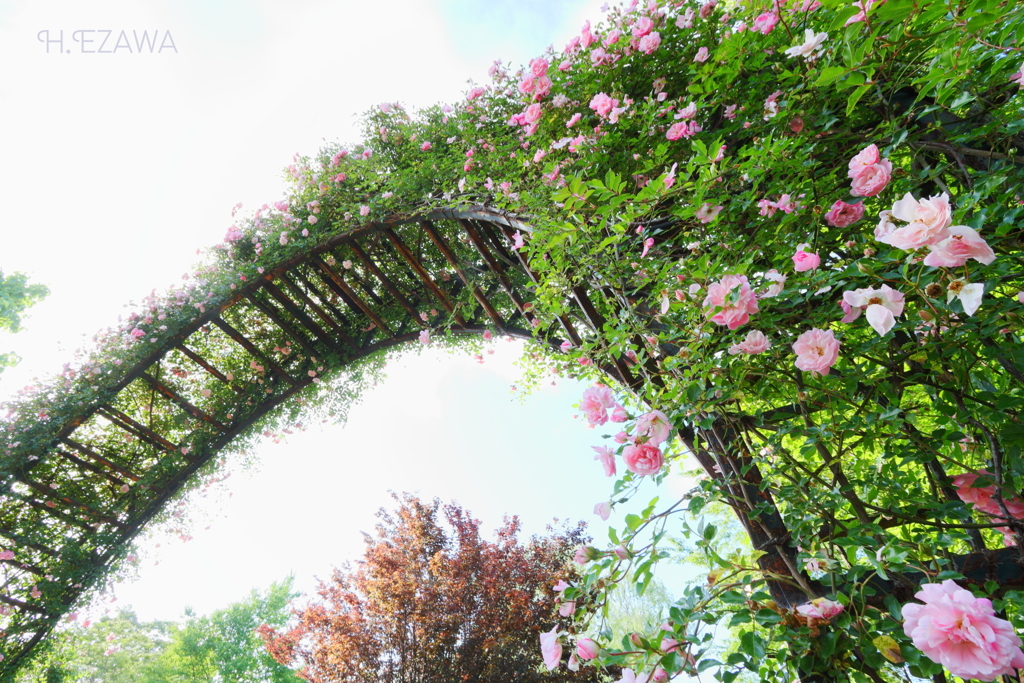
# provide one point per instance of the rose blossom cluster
(597, 401)
(962, 632)
(929, 224)
(869, 173)
(983, 498)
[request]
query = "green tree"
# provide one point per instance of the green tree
(16, 294)
(225, 645)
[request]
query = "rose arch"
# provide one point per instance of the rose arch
(681, 204)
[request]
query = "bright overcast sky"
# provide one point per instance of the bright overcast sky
(117, 167)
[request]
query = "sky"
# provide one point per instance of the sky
(118, 166)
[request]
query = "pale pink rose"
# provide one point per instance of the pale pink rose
(587, 648)
(475, 93)
(669, 645)
(654, 427)
(573, 120)
(643, 459)
(810, 48)
(597, 401)
(778, 281)
(603, 510)
(650, 43)
(879, 305)
(629, 677)
(533, 113)
(488, 335)
(424, 147)
(707, 213)
(820, 608)
(755, 342)
(688, 112)
(706, 9)
(584, 554)
(885, 227)
(843, 215)
(518, 237)
(732, 313)
(424, 337)
(542, 88)
(928, 221)
(567, 609)
(602, 104)
(805, 260)
(364, 210)
(766, 22)
(702, 55)
(963, 243)
(561, 586)
(526, 85)
(607, 458)
(962, 632)
(137, 333)
(621, 552)
(551, 649)
(867, 157)
(816, 351)
(233, 234)
(7, 555)
(872, 179)
(619, 414)
(539, 66)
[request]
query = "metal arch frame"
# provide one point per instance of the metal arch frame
(93, 536)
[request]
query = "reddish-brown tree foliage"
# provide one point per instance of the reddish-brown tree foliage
(433, 602)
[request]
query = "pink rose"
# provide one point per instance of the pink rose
(816, 351)
(533, 113)
(233, 234)
(607, 458)
(969, 493)
(702, 55)
(424, 147)
(843, 215)
(650, 43)
(805, 260)
(643, 26)
(654, 427)
(567, 609)
(962, 632)
(587, 648)
(706, 9)
(766, 22)
(364, 210)
(643, 459)
(551, 649)
(820, 608)
(707, 213)
(602, 104)
(539, 66)
(676, 131)
(928, 219)
(872, 179)
(869, 156)
(603, 510)
(755, 342)
(596, 402)
(732, 311)
(963, 243)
